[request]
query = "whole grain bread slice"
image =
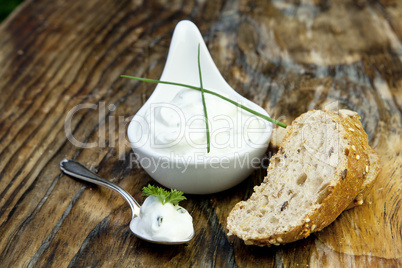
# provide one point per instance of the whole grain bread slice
(318, 171)
(372, 170)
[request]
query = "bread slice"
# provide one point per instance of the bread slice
(317, 172)
(372, 171)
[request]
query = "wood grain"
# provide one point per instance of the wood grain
(287, 56)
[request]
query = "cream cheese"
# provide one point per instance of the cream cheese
(162, 222)
(179, 126)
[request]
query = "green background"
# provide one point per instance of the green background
(7, 6)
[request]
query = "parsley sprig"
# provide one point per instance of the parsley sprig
(164, 196)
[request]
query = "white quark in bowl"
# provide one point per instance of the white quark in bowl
(168, 134)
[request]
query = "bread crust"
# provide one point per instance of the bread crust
(343, 188)
(372, 172)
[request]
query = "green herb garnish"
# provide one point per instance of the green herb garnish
(203, 103)
(164, 196)
(204, 90)
(279, 123)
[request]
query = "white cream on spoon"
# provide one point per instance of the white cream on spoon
(162, 222)
(157, 223)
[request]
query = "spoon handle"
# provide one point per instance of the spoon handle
(79, 171)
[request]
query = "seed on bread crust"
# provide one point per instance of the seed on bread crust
(344, 173)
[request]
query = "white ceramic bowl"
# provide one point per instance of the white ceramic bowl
(202, 175)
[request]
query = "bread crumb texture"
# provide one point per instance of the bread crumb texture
(318, 171)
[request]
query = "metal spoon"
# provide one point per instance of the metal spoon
(79, 171)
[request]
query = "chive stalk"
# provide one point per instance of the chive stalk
(272, 120)
(204, 104)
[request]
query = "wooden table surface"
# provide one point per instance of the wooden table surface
(62, 97)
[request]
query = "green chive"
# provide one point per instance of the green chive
(203, 103)
(279, 123)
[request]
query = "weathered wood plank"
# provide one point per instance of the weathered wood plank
(286, 56)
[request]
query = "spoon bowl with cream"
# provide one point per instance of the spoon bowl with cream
(168, 134)
(154, 222)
